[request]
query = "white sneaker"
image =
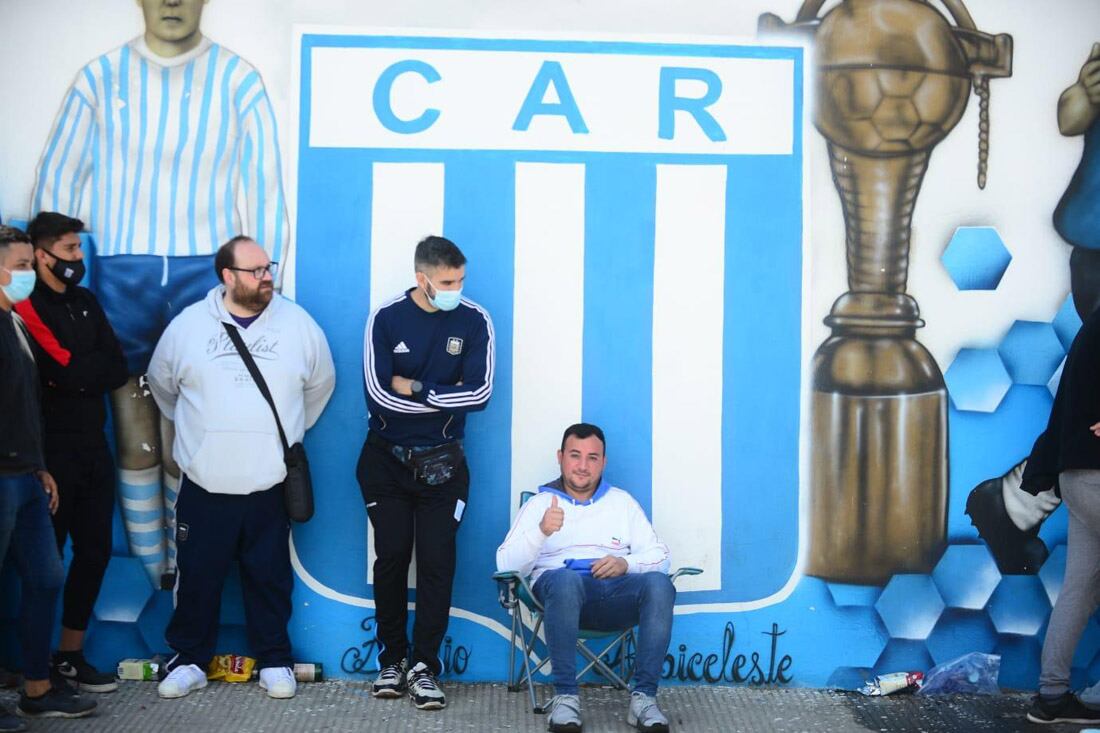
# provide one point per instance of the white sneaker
(182, 681)
(279, 682)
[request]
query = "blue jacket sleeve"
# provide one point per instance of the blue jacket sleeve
(378, 373)
(478, 365)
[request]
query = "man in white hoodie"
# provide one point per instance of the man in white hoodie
(596, 563)
(228, 449)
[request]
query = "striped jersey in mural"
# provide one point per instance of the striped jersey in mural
(166, 157)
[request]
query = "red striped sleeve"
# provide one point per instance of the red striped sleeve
(42, 333)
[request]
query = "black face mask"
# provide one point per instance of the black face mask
(70, 272)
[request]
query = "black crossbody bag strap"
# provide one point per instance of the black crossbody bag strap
(257, 377)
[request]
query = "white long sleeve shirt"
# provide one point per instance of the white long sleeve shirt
(226, 438)
(610, 523)
(159, 152)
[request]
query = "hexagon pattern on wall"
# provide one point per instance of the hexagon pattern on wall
(1050, 575)
(1031, 352)
(1019, 605)
(977, 380)
(976, 258)
(966, 576)
(910, 605)
(1067, 323)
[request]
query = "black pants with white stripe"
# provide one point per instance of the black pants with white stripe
(403, 511)
(213, 530)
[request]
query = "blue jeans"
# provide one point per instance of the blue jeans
(26, 530)
(574, 601)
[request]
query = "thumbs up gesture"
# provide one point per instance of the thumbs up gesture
(553, 518)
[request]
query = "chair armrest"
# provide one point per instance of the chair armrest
(506, 575)
(685, 571)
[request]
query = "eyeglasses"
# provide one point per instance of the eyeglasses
(258, 272)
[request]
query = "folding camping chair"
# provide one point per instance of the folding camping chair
(515, 594)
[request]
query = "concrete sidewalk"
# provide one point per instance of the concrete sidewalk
(339, 706)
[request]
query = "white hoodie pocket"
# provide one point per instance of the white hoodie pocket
(236, 462)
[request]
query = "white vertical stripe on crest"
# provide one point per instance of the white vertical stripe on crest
(547, 341)
(688, 303)
(406, 206)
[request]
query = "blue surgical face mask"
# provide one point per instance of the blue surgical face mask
(444, 300)
(21, 285)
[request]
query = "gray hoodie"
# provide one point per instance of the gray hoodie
(226, 439)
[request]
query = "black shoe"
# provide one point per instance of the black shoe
(1064, 709)
(74, 669)
(9, 723)
(168, 580)
(424, 688)
(1016, 552)
(390, 681)
(55, 704)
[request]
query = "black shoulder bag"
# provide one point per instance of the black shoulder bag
(298, 486)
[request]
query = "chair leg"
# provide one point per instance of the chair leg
(595, 661)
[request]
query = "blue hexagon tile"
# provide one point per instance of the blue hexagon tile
(1055, 379)
(1019, 605)
(125, 591)
(1031, 352)
(904, 655)
(977, 380)
(844, 594)
(909, 606)
(976, 258)
(1067, 323)
(966, 576)
(1050, 575)
(960, 632)
(1020, 657)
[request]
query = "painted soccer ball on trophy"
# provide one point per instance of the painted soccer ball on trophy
(889, 111)
(894, 79)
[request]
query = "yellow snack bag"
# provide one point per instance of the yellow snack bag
(230, 668)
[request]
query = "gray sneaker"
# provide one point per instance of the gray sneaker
(564, 714)
(645, 715)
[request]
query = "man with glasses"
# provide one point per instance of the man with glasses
(230, 455)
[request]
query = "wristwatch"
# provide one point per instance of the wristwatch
(417, 389)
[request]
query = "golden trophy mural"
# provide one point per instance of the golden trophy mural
(893, 79)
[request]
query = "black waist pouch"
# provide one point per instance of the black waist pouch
(436, 465)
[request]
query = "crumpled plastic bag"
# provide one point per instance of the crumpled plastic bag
(974, 674)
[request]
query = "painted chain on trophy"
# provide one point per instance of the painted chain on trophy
(893, 80)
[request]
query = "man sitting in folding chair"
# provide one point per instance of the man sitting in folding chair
(596, 563)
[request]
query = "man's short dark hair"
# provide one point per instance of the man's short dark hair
(436, 251)
(584, 430)
(12, 235)
(49, 226)
(226, 256)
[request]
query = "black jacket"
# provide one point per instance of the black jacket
(79, 362)
(20, 413)
(1067, 443)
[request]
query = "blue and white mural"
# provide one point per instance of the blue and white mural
(654, 225)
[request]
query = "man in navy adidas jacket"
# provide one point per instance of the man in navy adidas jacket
(428, 360)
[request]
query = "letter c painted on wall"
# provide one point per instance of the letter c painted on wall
(383, 89)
